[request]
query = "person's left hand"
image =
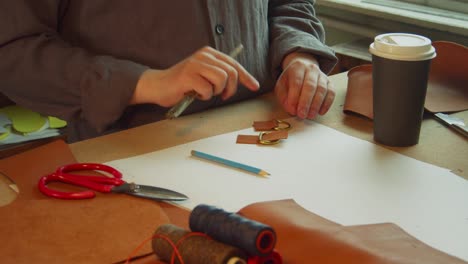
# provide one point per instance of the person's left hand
(302, 88)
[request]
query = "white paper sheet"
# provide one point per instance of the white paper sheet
(339, 177)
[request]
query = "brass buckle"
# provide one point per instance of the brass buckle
(282, 125)
(266, 141)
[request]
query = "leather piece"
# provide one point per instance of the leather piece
(40, 229)
(96, 230)
(303, 236)
(264, 125)
(47, 230)
(359, 93)
(247, 139)
(255, 139)
(26, 168)
(273, 124)
(446, 91)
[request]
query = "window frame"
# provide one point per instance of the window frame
(354, 19)
(456, 9)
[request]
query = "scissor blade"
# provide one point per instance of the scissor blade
(450, 120)
(149, 192)
(11, 184)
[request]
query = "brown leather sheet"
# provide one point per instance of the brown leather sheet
(303, 237)
(39, 229)
(359, 93)
(446, 90)
(108, 228)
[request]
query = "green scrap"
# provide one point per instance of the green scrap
(6, 133)
(23, 120)
(55, 122)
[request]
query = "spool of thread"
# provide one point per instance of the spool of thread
(194, 249)
(255, 238)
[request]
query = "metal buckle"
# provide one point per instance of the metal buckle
(266, 141)
(282, 125)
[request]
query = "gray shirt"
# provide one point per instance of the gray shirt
(80, 60)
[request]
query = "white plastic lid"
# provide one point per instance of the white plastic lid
(402, 46)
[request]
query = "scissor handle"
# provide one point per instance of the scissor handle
(90, 166)
(97, 183)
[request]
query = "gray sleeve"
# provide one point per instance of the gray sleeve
(294, 27)
(40, 71)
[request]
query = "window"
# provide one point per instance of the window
(368, 18)
(457, 9)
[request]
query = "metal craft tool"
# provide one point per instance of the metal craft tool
(11, 184)
(180, 107)
(453, 122)
(102, 183)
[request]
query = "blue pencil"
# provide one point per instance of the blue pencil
(229, 163)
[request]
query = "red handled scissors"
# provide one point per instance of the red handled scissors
(103, 184)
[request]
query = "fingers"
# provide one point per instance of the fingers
(317, 95)
(307, 95)
(319, 92)
(295, 83)
(223, 72)
(208, 72)
(304, 91)
(243, 75)
(327, 103)
(288, 88)
(220, 74)
(281, 91)
(204, 87)
(209, 80)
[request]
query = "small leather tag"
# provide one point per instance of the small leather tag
(255, 139)
(265, 125)
(281, 134)
(247, 139)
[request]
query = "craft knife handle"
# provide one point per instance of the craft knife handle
(453, 122)
(180, 107)
(460, 129)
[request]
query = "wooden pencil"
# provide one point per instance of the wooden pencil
(229, 163)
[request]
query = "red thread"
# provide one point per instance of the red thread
(183, 238)
(175, 246)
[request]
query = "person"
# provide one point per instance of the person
(108, 65)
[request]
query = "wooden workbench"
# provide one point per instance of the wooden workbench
(438, 144)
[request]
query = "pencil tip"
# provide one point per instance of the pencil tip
(263, 173)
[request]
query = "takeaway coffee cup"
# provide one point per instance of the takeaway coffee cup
(400, 70)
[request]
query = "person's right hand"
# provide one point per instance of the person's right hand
(208, 72)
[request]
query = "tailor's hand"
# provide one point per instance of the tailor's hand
(302, 88)
(208, 72)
